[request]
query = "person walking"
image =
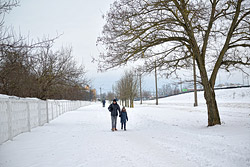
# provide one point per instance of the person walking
(103, 102)
(124, 118)
(114, 108)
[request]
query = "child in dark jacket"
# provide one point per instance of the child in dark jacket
(124, 118)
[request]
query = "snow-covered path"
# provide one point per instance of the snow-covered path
(83, 138)
(165, 135)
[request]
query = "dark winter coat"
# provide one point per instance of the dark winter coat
(114, 109)
(124, 116)
(103, 101)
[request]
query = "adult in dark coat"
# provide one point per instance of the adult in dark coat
(124, 118)
(114, 108)
(103, 102)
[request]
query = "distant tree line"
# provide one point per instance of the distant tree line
(33, 69)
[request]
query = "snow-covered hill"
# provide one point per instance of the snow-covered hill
(174, 133)
(237, 95)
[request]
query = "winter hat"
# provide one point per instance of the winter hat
(114, 100)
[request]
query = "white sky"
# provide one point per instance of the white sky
(81, 23)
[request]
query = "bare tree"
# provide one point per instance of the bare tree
(127, 88)
(34, 70)
(57, 68)
(31, 68)
(215, 32)
(15, 76)
(6, 6)
(146, 94)
(110, 96)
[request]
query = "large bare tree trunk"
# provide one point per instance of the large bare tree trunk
(213, 112)
(209, 94)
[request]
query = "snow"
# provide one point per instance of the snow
(174, 134)
(2, 96)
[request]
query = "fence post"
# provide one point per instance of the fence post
(9, 111)
(59, 108)
(56, 109)
(28, 116)
(64, 107)
(52, 110)
(47, 111)
(57, 113)
(39, 113)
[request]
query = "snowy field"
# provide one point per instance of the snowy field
(174, 133)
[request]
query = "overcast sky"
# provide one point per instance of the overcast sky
(81, 23)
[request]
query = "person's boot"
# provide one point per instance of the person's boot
(113, 129)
